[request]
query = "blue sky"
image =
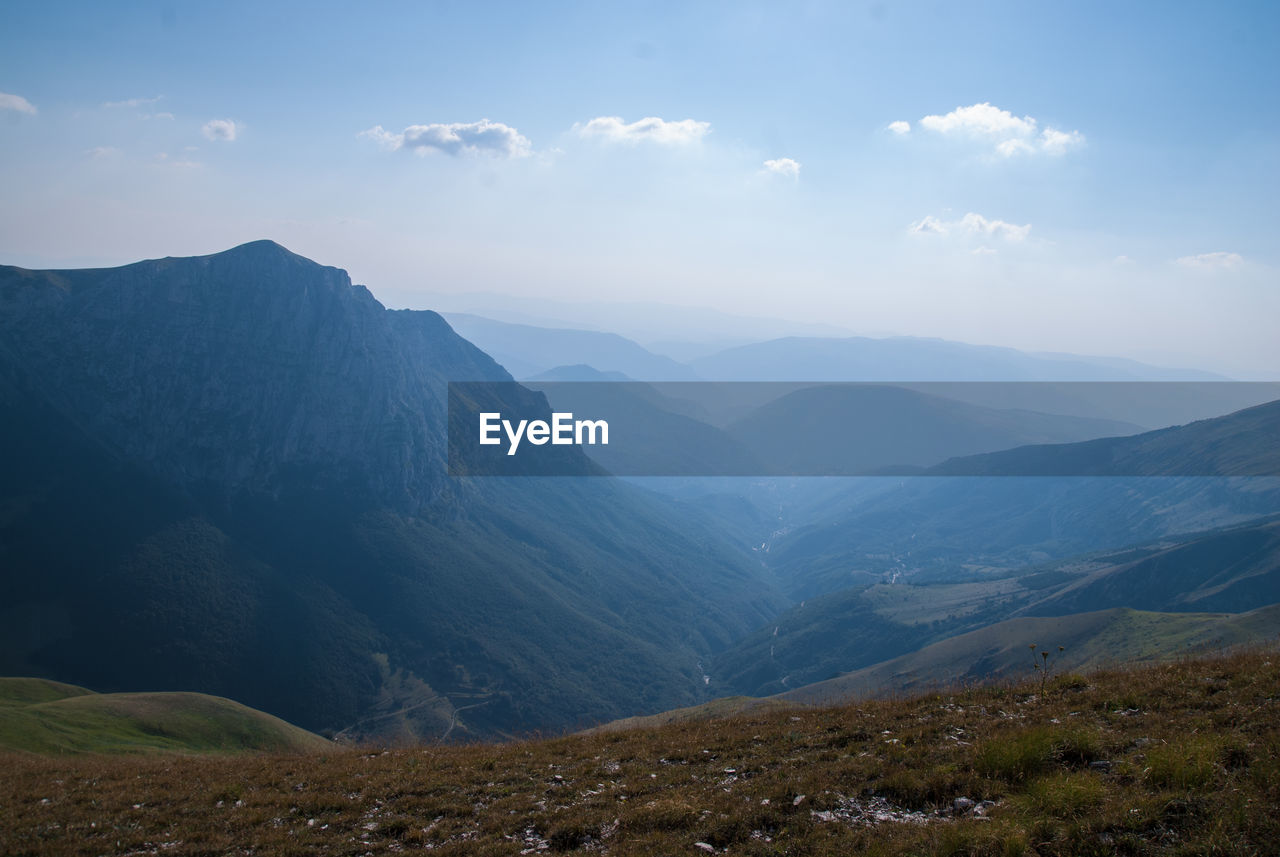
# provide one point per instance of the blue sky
(1089, 177)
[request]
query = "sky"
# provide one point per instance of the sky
(1091, 177)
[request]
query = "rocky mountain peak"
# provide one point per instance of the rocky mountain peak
(254, 369)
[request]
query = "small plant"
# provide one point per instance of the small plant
(1042, 664)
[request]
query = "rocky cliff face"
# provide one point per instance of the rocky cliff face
(250, 370)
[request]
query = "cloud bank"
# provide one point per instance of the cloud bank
(970, 226)
(9, 101)
(1007, 134)
(457, 138)
(133, 102)
(221, 129)
(783, 167)
(651, 129)
(1218, 261)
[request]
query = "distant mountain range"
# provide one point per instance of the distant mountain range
(899, 359)
(675, 331)
(527, 351)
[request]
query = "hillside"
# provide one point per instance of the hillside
(955, 529)
(45, 717)
(1181, 758)
(879, 618)
(1090, 641)
(1237, 444)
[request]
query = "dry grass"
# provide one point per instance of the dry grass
(1174, 759)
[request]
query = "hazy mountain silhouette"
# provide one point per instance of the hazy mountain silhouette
(526, 350)
(901, 358)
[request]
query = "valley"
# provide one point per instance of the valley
(272, 520)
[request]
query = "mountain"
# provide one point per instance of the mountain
(577, 372)
(1239, 444)
(227, 474)
(39, 716)
(901, 358)
(526, 350)
(852, 429)
(1105, 638)
(253, 370)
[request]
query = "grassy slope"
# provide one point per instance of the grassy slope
(1190, 753)
(39, 716)
(716, 709)
(1091, 640)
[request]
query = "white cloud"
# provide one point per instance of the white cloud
(133, 102)
(984, 118)
(928, 225)
(16, 102)
(900, 127)
(650, 129)
(458, 138)
(969, 226)
(1009, 135)
(99, 153)
(983, 251)
(979, 225)
(783, 167)
(163, 115)
(1009, 148)
(221, 129)
(1055, 142)
(1219, 261)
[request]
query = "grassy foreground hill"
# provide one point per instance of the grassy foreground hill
(1180, 758)
(49, 717)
